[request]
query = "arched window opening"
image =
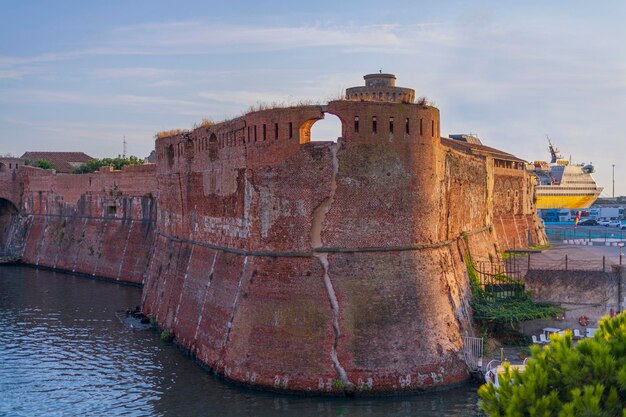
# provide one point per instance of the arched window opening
(290, 130)
(374, 125)
(328, 129)
(391, 125)
(264, 131)
(189, 149)
(170, 155)
(275, 131)
(213, 147)
(8, 215)
(406, 126)
(356, 124)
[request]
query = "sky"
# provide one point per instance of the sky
(82, 76)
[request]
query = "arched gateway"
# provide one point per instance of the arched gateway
(8, 219)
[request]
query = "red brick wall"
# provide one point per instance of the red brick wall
(515, 220)
(100, 224)
(239, 277)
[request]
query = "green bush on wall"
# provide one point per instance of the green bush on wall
(510, 310)
(116, 163)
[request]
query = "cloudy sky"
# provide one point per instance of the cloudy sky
(81, 76)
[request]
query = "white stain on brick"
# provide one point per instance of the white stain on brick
(206, 292)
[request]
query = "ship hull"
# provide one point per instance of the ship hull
(565, 201)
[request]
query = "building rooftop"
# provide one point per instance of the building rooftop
(61, 161)
(480, 149)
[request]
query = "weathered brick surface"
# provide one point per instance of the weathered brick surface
(283, 314)
(99, 224)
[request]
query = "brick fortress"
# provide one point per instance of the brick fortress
(288, 264)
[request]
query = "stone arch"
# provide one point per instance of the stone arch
(10, 190)
(213, 147)
(8, 218)
(305, 130)
(329, 129)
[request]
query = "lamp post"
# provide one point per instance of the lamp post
(613, 181)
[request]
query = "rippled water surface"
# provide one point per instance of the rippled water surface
(64, 352)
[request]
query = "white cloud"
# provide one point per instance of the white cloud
(197, 36)
(113, 100)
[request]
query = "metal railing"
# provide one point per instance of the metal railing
(570, 263)
(473, 352)
(500, 280)
(610, 236)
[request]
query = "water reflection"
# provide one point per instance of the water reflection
(63, 351)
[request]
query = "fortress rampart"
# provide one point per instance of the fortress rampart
(296, 265)
(99, 224)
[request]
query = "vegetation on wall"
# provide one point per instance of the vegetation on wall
(169, 133)
(566, 380)
(39, 163)
(492, 310)
(116, 163)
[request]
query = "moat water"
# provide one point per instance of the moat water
(65, 352)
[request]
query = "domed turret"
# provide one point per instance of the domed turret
(381, 87)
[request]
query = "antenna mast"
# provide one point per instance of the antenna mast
(124, 142)
(554, 152)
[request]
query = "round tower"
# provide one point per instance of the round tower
(381, 87)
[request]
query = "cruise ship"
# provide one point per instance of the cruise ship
(561, 185)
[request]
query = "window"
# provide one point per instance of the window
(290, 130)
(421, 127)
(406, 126)
(213, 147)
(432, 128)
(255, 136)
(275, 131)
(111, 210)
(374, 127)
(248, 134)
(356, 124)
(391, 125)
(264, 131)
(170, 155)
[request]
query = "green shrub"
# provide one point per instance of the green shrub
(566, 380)
(494, 311)
(338, 385)
(166, 336)
(39, 163)
(116, 163)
